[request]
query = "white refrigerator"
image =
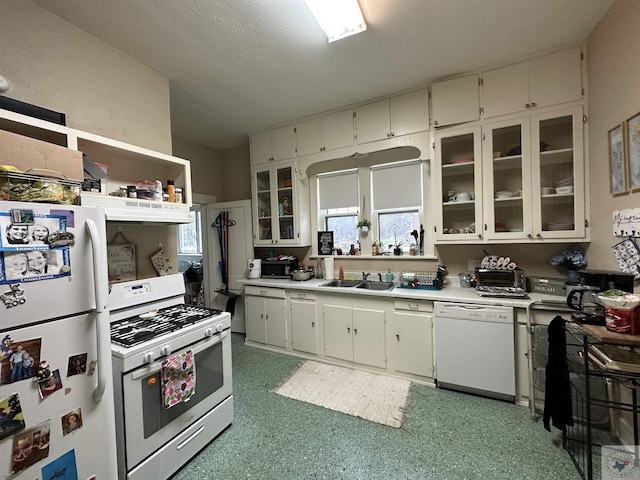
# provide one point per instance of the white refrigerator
(56, 398)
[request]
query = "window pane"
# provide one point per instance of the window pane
(344, 231)
(397, 227)
(189, 238)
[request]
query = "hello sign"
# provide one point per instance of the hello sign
(626, 223)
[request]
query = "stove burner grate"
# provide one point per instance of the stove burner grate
(135, 330)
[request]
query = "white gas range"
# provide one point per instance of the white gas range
(155, 441)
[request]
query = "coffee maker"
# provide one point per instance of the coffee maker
(582, 296)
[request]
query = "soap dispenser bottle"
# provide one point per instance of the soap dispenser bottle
(389, 276)
(341, 273)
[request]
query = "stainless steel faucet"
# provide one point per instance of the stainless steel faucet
(365, 276)
(379, 277)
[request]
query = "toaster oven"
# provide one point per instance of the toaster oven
(486, 277)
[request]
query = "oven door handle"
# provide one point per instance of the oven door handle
(201, 346)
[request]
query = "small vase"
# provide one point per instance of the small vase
(573, 277)
(397, 251)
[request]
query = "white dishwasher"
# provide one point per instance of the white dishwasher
(475, 347)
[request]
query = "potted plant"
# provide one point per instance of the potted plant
(364, 225)
(572, 260)
(396, 245)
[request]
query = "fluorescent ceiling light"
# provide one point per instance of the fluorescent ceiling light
(337, 18)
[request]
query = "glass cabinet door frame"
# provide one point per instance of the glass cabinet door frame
(571, 152)
(515, 171)
(445, 174)
(280, 217)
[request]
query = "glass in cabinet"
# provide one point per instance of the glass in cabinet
(507, 179)
(459, 177)
(558, 174)
(275, 201)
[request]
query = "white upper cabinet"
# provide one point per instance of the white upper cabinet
(540, 82)
(455, 101)
(273, 145)
(328, 132)
(395, 116)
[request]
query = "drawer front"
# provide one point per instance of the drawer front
(264, 291)
(302, 295)
(413, 306)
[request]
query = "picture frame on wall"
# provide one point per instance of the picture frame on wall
(617, 165)
(325, 243)
(632, 143)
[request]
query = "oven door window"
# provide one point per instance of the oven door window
(209, 379)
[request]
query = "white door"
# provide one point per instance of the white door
(239, 253)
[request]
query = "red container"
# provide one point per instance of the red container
(623, 321)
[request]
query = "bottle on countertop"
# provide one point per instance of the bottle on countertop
(374, 249)
(352, 250)
(389, 276)
(341, 273)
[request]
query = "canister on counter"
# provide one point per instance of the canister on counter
(179, 195)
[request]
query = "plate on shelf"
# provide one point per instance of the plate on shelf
(461, 160)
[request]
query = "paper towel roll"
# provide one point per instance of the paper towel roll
(329, 272)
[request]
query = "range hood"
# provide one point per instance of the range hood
(122, 209)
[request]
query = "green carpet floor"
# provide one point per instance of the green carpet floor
(447, 435)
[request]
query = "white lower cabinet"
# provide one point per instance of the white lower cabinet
(412, 336)
(540, 319)
(266, 316)
(304, 324)
(355, 334)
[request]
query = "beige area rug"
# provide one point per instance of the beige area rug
(374, 397)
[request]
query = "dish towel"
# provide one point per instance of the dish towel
(178, 378)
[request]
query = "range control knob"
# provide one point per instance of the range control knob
(165, 350)
(148, 357)
(208, 332)
(219, 328)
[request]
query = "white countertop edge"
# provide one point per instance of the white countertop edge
(447, 294)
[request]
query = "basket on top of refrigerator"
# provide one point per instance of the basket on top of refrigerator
(37, 185)
(423, 280)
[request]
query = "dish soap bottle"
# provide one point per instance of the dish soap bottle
(341, 273)
(389, 276)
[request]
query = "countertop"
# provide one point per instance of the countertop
(447, 294)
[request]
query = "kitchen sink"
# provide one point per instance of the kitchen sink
(342, 283)
(375, 285)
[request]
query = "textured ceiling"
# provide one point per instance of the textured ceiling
(237, 66)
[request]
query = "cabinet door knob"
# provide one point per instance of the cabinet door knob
(529, 235)
(539, 235)
(313, 324)
(435, 122)
(355, 331)
(526, 105)
(398, 337)
(348, 329)
(533, 104)
(393, 134)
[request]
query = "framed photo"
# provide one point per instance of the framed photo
(617, 165)
(632, 139)
(325, 243)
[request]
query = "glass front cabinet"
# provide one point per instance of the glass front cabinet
(458, 185)
(527, 184)
(280, 200)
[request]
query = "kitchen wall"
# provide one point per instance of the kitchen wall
(55, 65)
(614, 96)
(206, 166)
